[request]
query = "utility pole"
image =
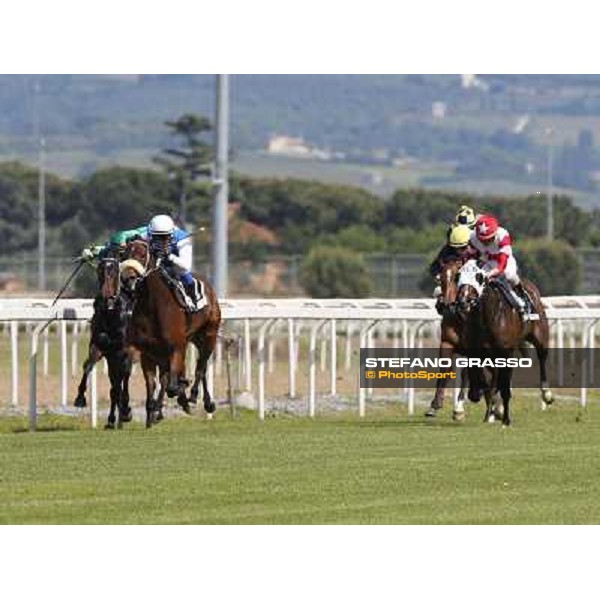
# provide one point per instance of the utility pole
(42, 217)
(40, 144)
(221, 188)
(550, 190)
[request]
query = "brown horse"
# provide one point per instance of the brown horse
(495, 329)
(161, 329)
(452, 338)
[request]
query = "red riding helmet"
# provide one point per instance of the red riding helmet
(486, 228)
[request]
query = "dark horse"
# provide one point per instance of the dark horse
(161, 329)
(112, 307)
(494, 329)
(451, 339)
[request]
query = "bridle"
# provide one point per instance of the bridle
(109, 267)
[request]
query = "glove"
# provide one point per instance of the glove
(87, 254)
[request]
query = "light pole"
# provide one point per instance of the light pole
(549, 190)
(221, 188)
(40, 143)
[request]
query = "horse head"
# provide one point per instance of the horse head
(471, 283)
(449, 284)
(137, 249)
(109, 281)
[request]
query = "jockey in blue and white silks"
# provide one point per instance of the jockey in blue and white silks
(175, 246)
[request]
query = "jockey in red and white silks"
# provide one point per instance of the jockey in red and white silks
(492, 246)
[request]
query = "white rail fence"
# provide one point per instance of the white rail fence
(260, 323)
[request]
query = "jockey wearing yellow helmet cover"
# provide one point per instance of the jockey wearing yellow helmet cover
(464, 222)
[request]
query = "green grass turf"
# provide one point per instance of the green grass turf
(387, 468)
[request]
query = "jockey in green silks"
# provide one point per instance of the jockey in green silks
(116, 241)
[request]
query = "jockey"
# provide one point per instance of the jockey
(176, 245)
(115, 244)
(457, 248)
(491, 245)
(466, 216)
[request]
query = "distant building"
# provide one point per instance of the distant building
(283, 145)
(473, 82)
(521, 124)
(438, 110)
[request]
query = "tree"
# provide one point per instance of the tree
(123, 198)
(552, 265)
(334, 272)
(185, 164)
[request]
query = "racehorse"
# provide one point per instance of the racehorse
(161, 329)
(452, 339)
(108, 335)
(495, 329)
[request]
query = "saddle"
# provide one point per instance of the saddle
(179, 292)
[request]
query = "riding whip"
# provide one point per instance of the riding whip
(81, 262)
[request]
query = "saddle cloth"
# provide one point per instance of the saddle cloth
(182, 297)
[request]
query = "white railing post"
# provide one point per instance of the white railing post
(247, 356)
(333, 356)
(261, 367)
(35, 336)
(291, 358)
(64, 363)
(94, 397)
(14, 352)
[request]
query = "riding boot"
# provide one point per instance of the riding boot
(192, 291)
(528, 311)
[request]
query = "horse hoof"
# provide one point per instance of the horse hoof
(109, 426)
(158, 416)
(80, 402)
(490, 419)
(172, 391)
(432, 412)
(193, 398)
(474, 395)
(185, 405)
(547, 397)
(209, 416)
(458, 415)
(210, 407)
(126, 417)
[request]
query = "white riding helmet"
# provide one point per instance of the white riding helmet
(161, 225)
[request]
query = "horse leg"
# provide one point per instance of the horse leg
(115, 378)
(149, 370)
(125, 412)
(490, 396)
(458, 414)
(446, 350)
(541, 350)
(205, 346)
(504, 380)
(177, 383)
(94, 355)
(160, 400)
(475, 384)
(176, 370)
